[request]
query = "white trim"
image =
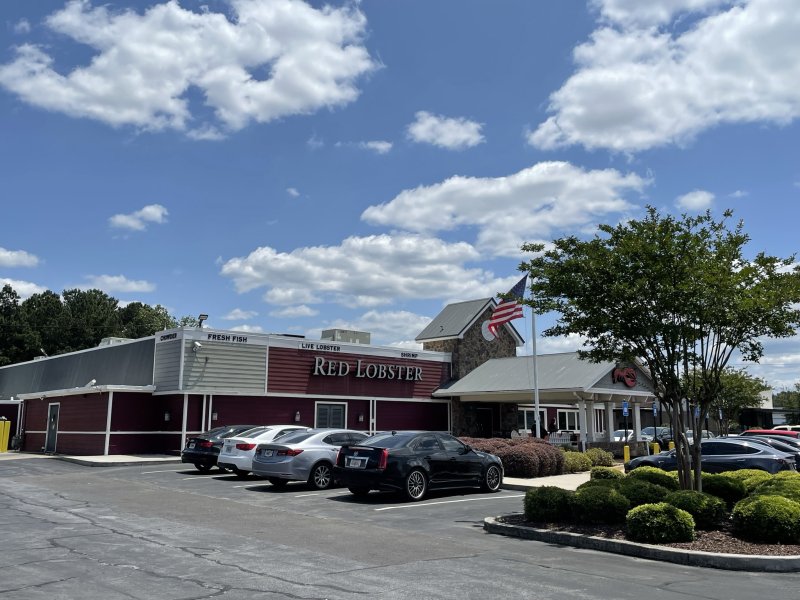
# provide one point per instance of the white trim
(346, 398)
(115, 432)
(346, 407)
(181, 365)
(183, 421)
(203, 414)
(108, 422)
(95, 389)
(210, 411)
(47, 430)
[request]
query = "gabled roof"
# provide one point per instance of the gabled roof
(455, 319)
(563, 372)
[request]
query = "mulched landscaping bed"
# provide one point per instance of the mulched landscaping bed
(705, 541)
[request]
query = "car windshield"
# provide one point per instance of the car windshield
(254, 432)
(389, 440)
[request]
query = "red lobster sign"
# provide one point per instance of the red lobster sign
(626, 375)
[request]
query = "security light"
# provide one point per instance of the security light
(200, 319)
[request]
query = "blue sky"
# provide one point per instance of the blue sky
(291, 167)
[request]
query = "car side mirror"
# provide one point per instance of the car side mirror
(467, 449)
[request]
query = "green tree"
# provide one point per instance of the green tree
(188, 321)
(139, 320)
(16, 338)
(789, 400)
(738, 390)
(47, 317)
(677, 294)
(92, 315)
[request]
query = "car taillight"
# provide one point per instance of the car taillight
(289, 452)
(338, 457)
(206, 444)
(244, 446)
(384, 458)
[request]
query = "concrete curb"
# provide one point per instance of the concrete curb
(120, 463)
(730, 562)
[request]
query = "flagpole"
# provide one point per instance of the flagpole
(535, 373)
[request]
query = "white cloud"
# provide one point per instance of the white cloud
(510, 210)
(385, 327)
(638, 86)
(22, 27)
(695, 200)
(292, 192)
(137, 221)
(248, 328)
(651, 12)
(292, 312)
(450, 133)
(315, 142)
(739, 194)
(118, 283)
(377, 146)
(365, 271)
(237, 314)
(145, 64)
(554, 345)
(17, 258)
(25, 289)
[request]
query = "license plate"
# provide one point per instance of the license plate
(191, 445)
(267, 452)
(356, 463)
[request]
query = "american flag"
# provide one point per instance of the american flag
(508, 310)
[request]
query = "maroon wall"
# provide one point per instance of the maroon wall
(411, 415)
(291, 371)
(81, 444)
(260, 410)
(164, 443)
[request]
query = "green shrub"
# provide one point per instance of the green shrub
(751, 478)
(708, 511)
(655, 475)
(730, 490)
(547, 504)
(575, 462)
(790, 475)
(519, 462)
(599, 482)
(600, 457)
(640, 491)
(771, 519)
(659, 523)
(606, 473)
(599, 504)
(788, 488)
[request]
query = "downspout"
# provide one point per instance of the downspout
(108, 422)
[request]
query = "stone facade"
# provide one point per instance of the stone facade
(468, 353)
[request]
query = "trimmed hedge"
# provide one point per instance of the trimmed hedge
(751, 478)
(519, 461)
(730, 490)
(599, 504)
(598, 482)
(708, 511)
(771, 519)
(786, 487)
(640, 491)
(659, 523)
(600, 457)
(606, 473)
(575, 462)
(655, 475)
(547, 504)
(520, 454)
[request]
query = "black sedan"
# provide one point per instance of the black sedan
(412, 462)
(202, 450)
(724, 454)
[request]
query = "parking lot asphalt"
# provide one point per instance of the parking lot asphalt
(168, 531)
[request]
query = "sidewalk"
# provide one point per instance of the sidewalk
(568, 481)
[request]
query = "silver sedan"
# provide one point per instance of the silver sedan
(303, 456)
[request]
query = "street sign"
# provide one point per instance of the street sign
(655, 410)
(624, 409)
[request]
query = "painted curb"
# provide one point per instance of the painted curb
(714, 560)
(127, 463)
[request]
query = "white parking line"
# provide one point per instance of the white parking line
(449, 502)
(197, 477)
(306, 495)
(162, 471)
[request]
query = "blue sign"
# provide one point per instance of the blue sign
(624, 409)
(655, 410)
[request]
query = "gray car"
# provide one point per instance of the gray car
(307, 455)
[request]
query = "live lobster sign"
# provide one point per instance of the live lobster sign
(626, 375)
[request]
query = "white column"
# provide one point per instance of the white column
(184, 418)
(582, 422)
(590, 429)
(637, 420)
(610, 425)
(108, 422)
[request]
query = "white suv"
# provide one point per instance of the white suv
(787, 427)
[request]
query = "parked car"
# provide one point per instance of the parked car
(647, 434)
(306, 455)
(202, 449)
(787, 428)
(794, 434)
(238, 451)
(784, 445)
(724, 454)
(412, 462)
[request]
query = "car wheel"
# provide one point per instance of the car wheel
(416, 485)
(492, 479)
(321, 477)
(203, 468)
(278, 483)
(359, 491)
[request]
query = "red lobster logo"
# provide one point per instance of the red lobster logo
(626, 375)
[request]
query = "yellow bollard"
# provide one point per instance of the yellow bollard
(656, 448)
(626, 454)
(5, 428)
(672, 445)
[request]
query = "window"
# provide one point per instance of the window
(451, 444)
(599, 420)
(568, 419)
(526, 419)
(330, 415)
(427, 443)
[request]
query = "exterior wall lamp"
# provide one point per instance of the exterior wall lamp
(297, 417)
(167, 416)
(360, 417)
